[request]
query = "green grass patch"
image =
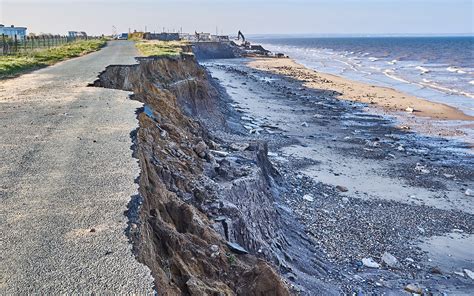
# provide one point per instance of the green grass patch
(160, 48)
(12, 65)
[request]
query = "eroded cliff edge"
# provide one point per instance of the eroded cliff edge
(208, 221)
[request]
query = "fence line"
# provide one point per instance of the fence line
(23, 44)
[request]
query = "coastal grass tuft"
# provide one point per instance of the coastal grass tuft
(160, 48)
(11, 65)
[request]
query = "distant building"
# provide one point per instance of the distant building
(76, 34)
(12, 31)
(203, 36)
(188, 37)
(162, 36)
(220, 38)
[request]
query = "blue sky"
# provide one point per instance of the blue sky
(252, 17)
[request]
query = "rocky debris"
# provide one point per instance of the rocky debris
(219, 153)
(367, 228)
(421, 168)
(369, 262)
(435, 270)
(413, 288)
(461, 274)
(390, 260)
(201, 149)
(214, 251)
(469, 273)
(239, 146)
(181, 192)
(421, 230)
(236, 248)
(214, 248)
(342, 188)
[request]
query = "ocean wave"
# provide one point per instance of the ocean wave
(372, 59)
(391, 74)
(423, 69)
(347, 64)
(471, 82)
(455, 70)
(445, 89)
(392, 62)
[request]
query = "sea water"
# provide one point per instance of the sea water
(439, 69)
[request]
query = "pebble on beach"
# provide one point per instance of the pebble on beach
(369, 262)
(342, 188)
(308, 197)
(390, 260)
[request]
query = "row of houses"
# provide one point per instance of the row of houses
(196, 37)
(205, 37)
(12, 31)
(20, 32)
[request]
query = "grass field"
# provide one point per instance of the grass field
(15, 64)
(160, 48)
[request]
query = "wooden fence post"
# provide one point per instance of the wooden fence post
(16, 44)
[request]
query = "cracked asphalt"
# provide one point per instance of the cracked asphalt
(67, 174)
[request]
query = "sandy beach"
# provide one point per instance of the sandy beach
(359, 183)
(386, 99)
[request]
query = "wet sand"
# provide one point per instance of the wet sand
(411, 111)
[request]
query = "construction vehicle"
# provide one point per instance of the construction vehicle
(244, 43)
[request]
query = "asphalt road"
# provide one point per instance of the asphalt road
(66, 169)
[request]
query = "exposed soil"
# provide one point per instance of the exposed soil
(253, 184)
(197, 199)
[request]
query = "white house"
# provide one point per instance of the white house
(76, 34)
(11, 31)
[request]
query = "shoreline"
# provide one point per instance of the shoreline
(360, 186)
(412, 112)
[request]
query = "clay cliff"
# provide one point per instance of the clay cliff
(205, 221)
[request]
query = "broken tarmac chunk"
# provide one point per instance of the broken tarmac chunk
(236, 248)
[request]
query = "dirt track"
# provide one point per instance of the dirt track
(67, 175)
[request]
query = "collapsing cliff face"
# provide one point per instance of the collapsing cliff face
(207, 221)
(216, 50)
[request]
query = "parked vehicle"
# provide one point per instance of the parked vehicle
(123, 36)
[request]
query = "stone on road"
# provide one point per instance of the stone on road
(67, 175)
